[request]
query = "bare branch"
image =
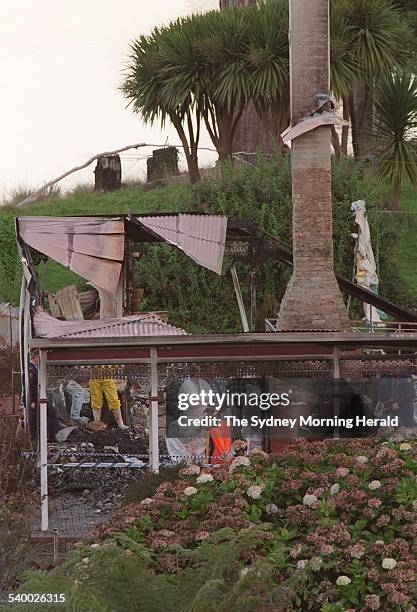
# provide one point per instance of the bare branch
(35, 195)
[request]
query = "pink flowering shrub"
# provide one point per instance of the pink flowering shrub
(336, 520)
(345, 512)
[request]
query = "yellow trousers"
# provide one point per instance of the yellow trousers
(107, 387)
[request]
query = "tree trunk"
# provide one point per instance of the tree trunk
(225, 141)
(345, 128)
(162, 164)
(274, 120)
(221, 125)
(108, 173)
(193, 169)
(190, 151)
(396, 194)
(361, 107)
(336, 143)
(250, 134)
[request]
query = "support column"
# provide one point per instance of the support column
(313, 300)
(238, 292)
(43, 441)
(154, 423)
(336, 389)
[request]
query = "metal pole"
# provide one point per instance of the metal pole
(56, 543)
(253, 275)
(239, 298)
(13, 392)
(336, 377)
(154, 425)
(43, 440)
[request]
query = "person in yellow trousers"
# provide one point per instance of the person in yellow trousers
(102, 384)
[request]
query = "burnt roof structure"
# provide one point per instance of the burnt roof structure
(147, 347)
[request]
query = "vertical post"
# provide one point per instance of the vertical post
(56, 543)
(312, 300)
(154, 425)
(253, 275)
(13, 393)
(120, 294)
(43, 441)
(336, 386)
(239, 298)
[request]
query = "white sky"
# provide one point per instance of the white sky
(60, 67)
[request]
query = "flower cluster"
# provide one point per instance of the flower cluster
(238, 445)
(204, 478)
(344, 512)
(239, 462)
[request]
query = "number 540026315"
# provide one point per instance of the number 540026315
(28, 598)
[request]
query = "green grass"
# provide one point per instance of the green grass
(178, 196)
(84, 201)
(133, 199)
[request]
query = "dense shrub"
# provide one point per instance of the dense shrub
(16, 473)
(198, 299)
(329, 526)
(148, 483)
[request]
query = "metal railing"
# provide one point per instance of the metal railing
(397, 327)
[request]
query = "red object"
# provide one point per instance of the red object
(222, 442)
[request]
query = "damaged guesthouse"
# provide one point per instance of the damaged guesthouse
(327, 367)
(145, 351)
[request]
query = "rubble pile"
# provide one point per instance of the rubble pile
(103, 488)
(83, 440)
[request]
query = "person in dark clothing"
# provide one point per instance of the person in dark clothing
(403, 398)
(33, 408)
(52, 422)
(397, 395)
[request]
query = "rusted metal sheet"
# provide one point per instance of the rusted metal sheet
(93, 247)
(135, 325)
(201, 237)
(69, 303)
(71, 225)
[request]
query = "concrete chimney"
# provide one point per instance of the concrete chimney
(312, 300)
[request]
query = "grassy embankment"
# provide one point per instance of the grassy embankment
(262, 194)
(84, 201)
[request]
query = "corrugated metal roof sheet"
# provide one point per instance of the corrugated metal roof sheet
(93, 247)
(135, 325)
(201, 237)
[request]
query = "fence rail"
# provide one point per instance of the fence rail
(9, 326)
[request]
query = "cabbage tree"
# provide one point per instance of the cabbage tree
(145, 87)
(395, 131)
(380, 41)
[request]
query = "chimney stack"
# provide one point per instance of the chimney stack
(312, 300)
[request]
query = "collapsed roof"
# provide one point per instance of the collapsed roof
(136, 325)
(94, 247)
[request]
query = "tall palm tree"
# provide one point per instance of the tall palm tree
(228, 90)
(343, 71)
(145, 88)
(395, 130)
(379, 34)
(267, 59)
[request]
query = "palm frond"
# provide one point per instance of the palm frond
(396, 126)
